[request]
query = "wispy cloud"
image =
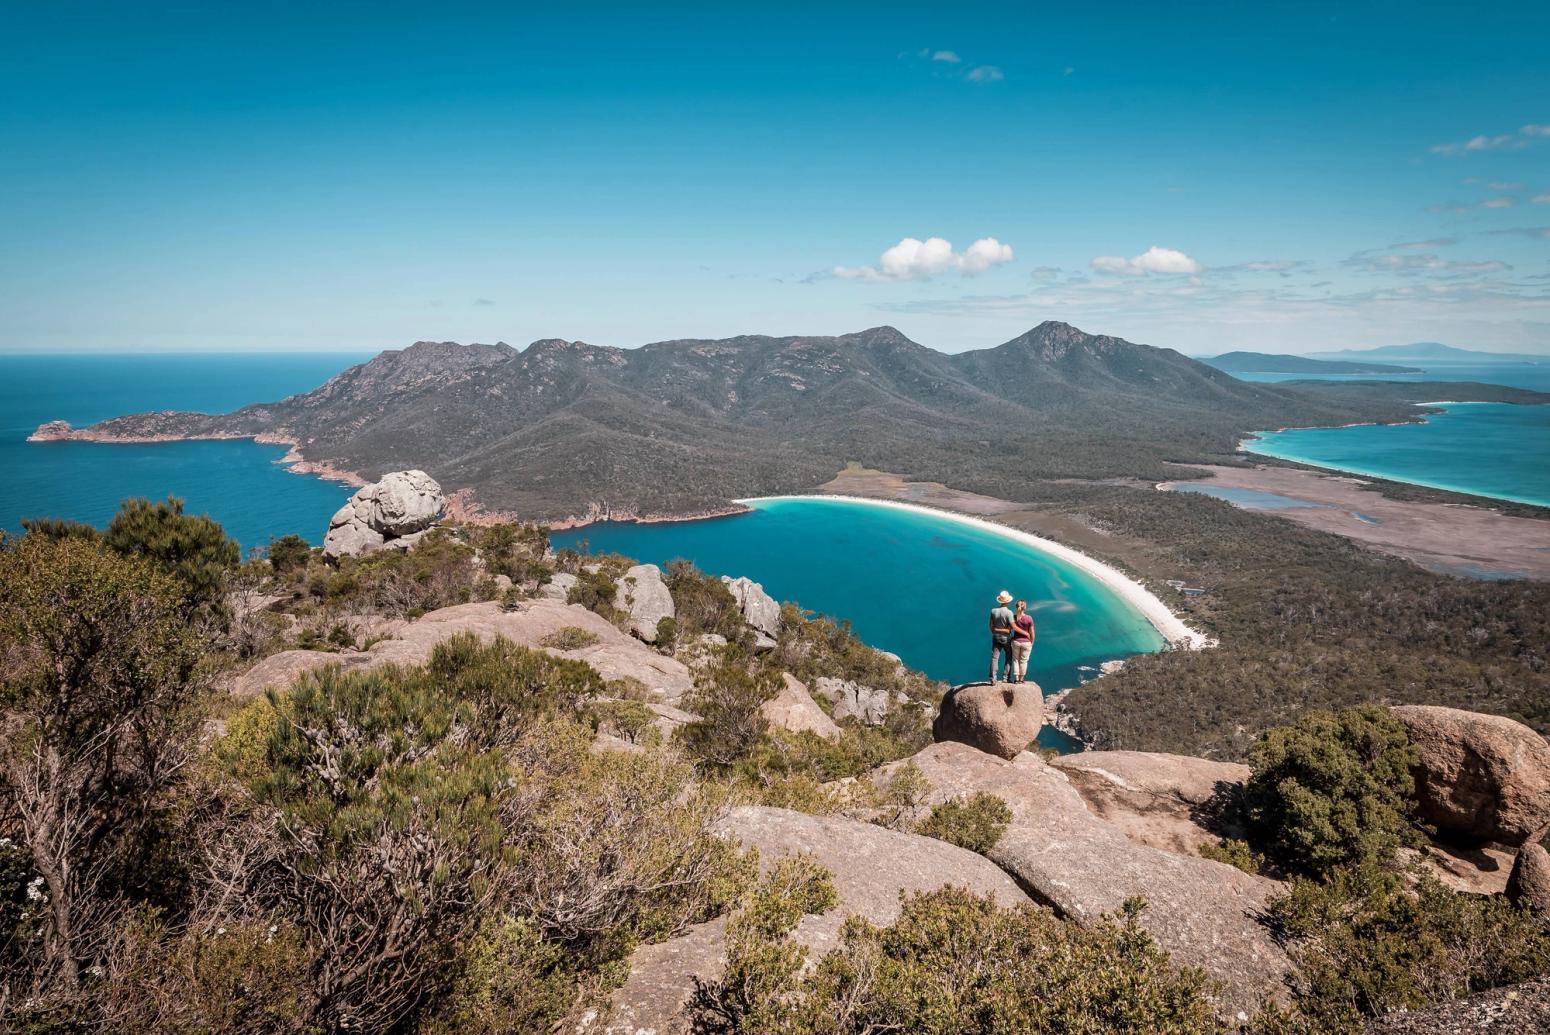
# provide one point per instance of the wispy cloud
(1413, 263)
(1435, 242)
(1283, 267)
(1524, 231)
(1505, 201)
(914, 259)
(1494, 141)
(951, 57)
(1541, 199)
(985, 74)
(483, 301)
(1153, 260)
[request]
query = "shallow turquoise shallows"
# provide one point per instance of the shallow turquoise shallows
(1488, 449)
(236, 482)
(916, 584)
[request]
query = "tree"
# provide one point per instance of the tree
(98, 705)
(195, 550)
(1330, 789)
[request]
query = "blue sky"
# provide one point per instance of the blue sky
(1206, 177)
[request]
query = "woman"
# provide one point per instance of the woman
(1022, 642)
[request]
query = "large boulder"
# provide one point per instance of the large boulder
(1204, 913)
(794, 709)
(1529, 881)
(1172, 802)
(998, 718)
(872, 867)
(645, 597)
(760, 610)
(401, 504)
(866, 703)
(614, 655)
(1480, 776)
(558, 587)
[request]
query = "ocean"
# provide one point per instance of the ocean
(236, 482)
(1534, 375)
(1488, 449)
(915, 584)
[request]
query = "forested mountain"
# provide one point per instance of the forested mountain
(680, 426)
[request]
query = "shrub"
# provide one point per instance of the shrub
(194, 550)
(1332, 788)
(703, 602)
(1233, 852)
(667, 633)
(572, 637)
(595, 591)
(99, 704)
(289, 553)
(975, 822)
(728, 694)
(1365, 944)
(624, 719)
(510, 981)
(951, 964)
(904, 792)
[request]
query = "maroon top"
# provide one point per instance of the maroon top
(1022, 627)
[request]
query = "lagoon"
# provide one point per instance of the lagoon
(918, 584)
(1499, 450)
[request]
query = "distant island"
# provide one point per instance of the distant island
(1432, 350)
(1269, 363)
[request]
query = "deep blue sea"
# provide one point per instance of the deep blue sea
(237, 483)
(915, 584)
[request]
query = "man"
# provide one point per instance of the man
(1001, 626)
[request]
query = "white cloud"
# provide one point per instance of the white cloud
(1153, 260)
(1490, 142)
(1502, 202)
(946, 55)
(914, 259)
(1504, 185)
(1478, 143)
(1542, 199)
(986, 74)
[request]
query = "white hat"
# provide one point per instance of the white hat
(1003, 597)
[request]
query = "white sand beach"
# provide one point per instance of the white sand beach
(1132, 592)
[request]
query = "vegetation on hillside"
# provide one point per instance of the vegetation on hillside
(1305, 619)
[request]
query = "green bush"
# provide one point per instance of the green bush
(1233, 852)
(1330, 789)
(703, 603)
(975, 822)
(194, 550)
(1365, 943)
(951, 964)
(572, 637)
(728, 694)
(595, 591)
(624, 719)
(289, 553)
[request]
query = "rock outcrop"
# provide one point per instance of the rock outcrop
(1204, 913)
(872, 867)
(1529, 881)
(866, 703)
(1169, 802)
(558, 587)
(760, 610)
(794, 709)
(614, 655)
(391, 512)
(1480, 776)
(645, 597)
(998, 718)
(1510, 1010)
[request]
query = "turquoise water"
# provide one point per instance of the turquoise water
(916, 584)
(1488, 449)
(237, 483)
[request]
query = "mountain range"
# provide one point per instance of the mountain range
(1432, 350)
(565, 428)
(1269, 363)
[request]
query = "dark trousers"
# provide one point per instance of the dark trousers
(999, 654)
